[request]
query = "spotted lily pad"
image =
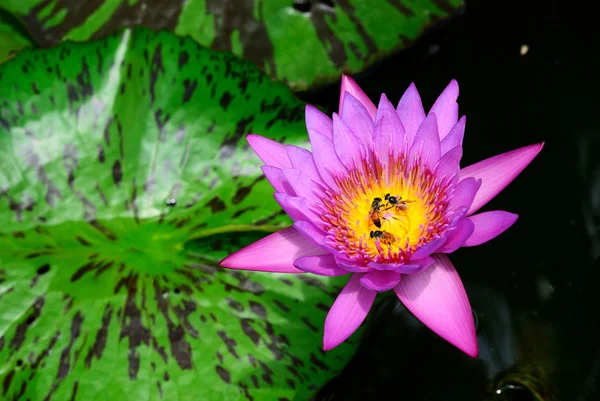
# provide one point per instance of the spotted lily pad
(301, 42)
(124, 177)
(12, 38)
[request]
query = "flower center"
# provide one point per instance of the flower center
(385, 216)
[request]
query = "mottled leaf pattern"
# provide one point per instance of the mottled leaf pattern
(301, 42)
(12, 38)
(124, 177)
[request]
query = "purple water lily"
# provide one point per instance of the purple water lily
(382, 197)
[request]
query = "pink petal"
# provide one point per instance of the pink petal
(416, 266)
(270, 152)
(455, 136)
(327, 162)
(489, 225)
(323, 265)
(274, 253)
(427, 142)
(464, 193)
(355, 116)
(318, 121)
(380, 280)
(310, 231)
(438, 299)
(427, 249)
(448, 165)
(297, 208)
(350, 265)
(351, 87)
(446, 109)
(347, 313)
(302, 185)
(346, 144)
(277, 179)
(457, 238)
(498, 171)
(388, 134)
(411, 113)
(302, 159)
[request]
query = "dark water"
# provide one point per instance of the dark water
(534, 289)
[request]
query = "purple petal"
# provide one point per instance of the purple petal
(355, 115)
(297, 208)
(302, 159)
(498, 171)
(302, 185)
(464, 193)
(310, 231)
(457, 237)
(448, 165)
(446, 109)
(350, 265)
(274, 253)
(347, 313)
(388, 134)
(351, 87)
(346, 144)
(270, 152)
(427, 249)
(416, 266)
(291, 210)
(411, 113)
(438, 299)
(277, 179)
(318, 121)
(323, 265)
(489, 225)
(385, 266)
(380, 280)
(327, 162)
(455, 136)
(427, 142)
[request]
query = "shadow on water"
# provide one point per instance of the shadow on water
(534, 289)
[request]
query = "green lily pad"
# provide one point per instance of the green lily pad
(12, 38)
(124, 177)
(300, 42)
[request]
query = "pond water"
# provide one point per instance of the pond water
(526, 75)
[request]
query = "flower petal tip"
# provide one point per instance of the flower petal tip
(438, 299)
(489, 225)
(225, 263)
(328, 345)
(473, 352)
(454, 85)
(499, 171)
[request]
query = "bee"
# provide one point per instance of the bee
(396, 201)
(374, 212)
(383, 236)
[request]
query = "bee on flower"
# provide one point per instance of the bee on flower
(382, 197)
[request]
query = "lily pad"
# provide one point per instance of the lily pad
(12, 37)
(300, 42)
(124, 177)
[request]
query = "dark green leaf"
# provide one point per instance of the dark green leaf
(124, 177)
(301, 42)
(12, 37)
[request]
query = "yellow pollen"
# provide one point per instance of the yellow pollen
(389, 230)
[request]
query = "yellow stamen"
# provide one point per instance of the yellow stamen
(418, 217)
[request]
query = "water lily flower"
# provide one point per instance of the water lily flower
(382, 197)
